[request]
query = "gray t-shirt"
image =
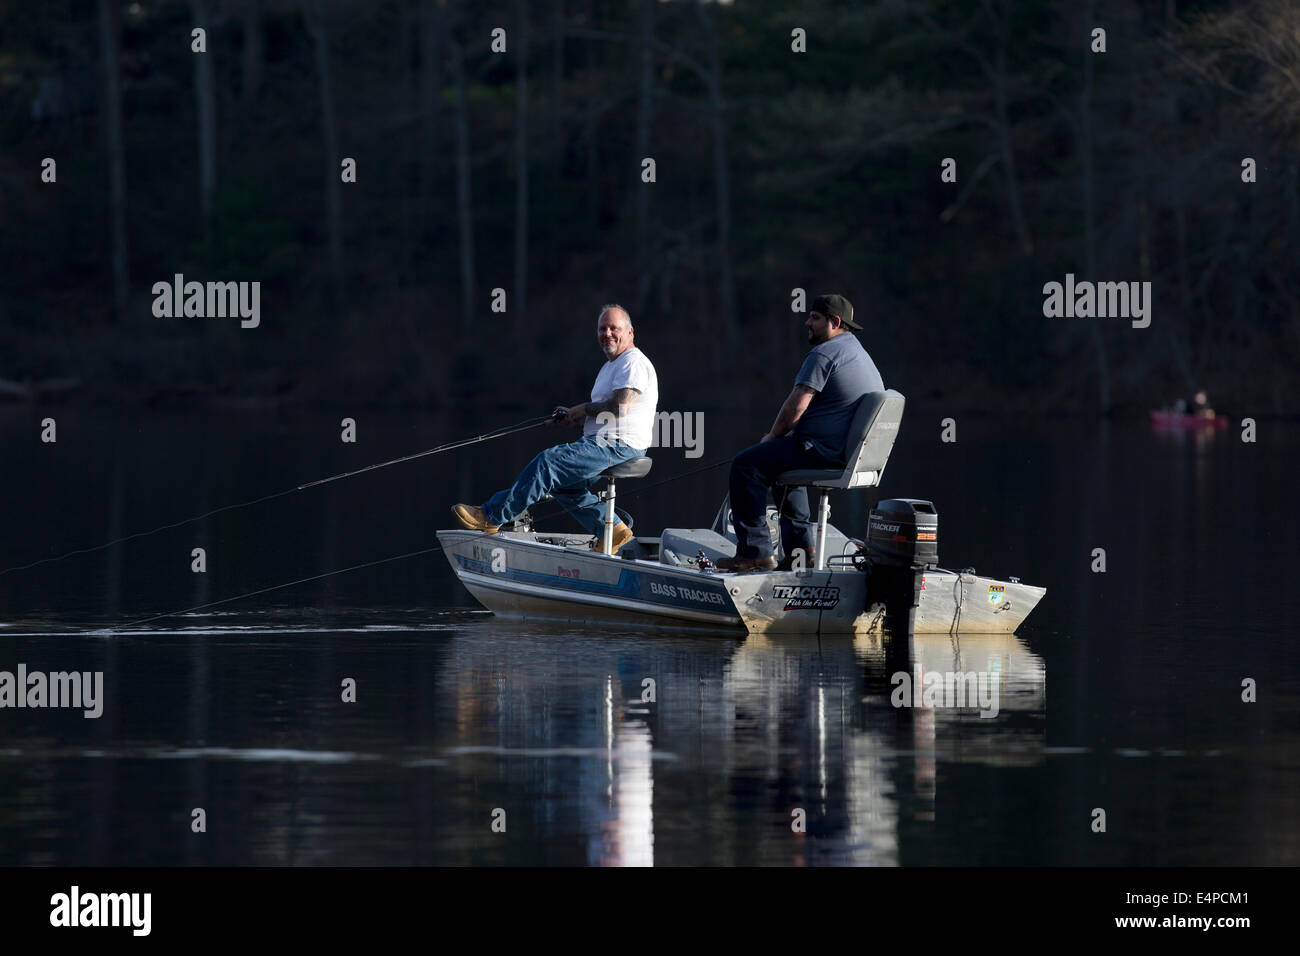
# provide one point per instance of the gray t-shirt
(842, 372)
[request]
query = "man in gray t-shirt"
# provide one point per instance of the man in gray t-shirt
(809, 432)
(839, 371)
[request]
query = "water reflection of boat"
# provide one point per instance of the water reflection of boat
(892, 578)
(1011, 733)
(617, 741)
(1003, 659)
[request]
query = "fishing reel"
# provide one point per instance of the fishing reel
(522, 522)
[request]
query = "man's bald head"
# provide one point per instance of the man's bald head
(613, 330)
(614, 309)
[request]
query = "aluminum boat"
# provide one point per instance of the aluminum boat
(889, 579)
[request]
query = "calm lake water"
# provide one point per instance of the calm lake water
(1122, 692)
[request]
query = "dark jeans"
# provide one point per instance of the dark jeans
(753, 471)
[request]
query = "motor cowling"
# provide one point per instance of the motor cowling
(902, 532)
(902, 541)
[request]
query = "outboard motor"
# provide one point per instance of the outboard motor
(902, 542)
(903, 532)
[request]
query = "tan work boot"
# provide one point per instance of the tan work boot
(471, 517)
(622, 535)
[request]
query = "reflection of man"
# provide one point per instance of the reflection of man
(619, 426)
(809, 432)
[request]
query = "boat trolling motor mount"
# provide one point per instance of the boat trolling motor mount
(902, 543)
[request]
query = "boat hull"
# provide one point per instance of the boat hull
(954, 603)
(839, 601)
(1182, 421)
(516, 575)
(519, 576)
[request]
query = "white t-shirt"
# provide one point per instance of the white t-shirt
(630, 370)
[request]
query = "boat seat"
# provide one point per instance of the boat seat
(870, 439)
(632, 468)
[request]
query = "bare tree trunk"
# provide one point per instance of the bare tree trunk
(110, 40)
(722, 178)
(1292, 194)
(556, 142)
(644, 122)
(254, 51)
(995, 71)
(1184, 288)
(1089, 226)
(207, 115)
(463, 208)
(316, 26)
(430, 85)
(591, 130)
(557, 81)
(1005, 147)
(1245, 326)
(519, 307)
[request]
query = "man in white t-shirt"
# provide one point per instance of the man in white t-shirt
(618, 424)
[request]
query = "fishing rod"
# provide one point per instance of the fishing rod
(370, 564)
(450, 446)
(486, 436)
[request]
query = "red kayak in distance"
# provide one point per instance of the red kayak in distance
(1186, 421)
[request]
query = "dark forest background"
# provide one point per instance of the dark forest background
(522, 171)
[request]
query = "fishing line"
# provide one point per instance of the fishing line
(369, 564)
(486, 436)
(275, 587)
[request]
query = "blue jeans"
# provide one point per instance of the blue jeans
(753, 471)
(563, 472)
